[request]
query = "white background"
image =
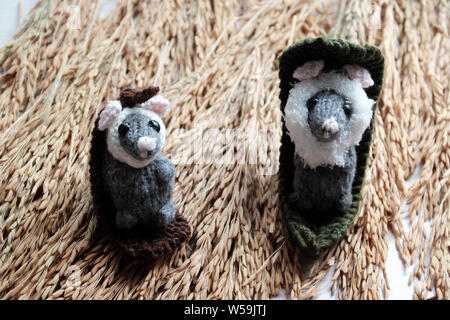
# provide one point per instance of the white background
(397, 273)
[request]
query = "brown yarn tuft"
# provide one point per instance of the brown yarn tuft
(130, 97)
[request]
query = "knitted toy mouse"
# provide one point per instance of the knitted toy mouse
(329, 89)
(131, 180)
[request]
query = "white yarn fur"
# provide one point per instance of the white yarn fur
(113, 141)
(316, 153)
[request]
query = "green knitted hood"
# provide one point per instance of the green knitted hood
(315, 236)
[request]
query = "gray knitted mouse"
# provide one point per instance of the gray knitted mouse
(131, 180)
(138, 177)
(326, 114)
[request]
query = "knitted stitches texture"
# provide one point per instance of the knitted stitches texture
(135, 242)
(142, 197)
(306, 132)
(315, 237)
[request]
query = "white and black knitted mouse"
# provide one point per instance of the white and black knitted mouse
(132, 181)
(326, 115)
(329, 90)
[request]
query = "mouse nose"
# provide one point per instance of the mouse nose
(330, 127)
(146, 144)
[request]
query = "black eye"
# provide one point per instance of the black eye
(155, 125)
(347, 109)
(123, 129)
(311, 103)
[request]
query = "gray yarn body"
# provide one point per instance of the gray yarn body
(325, 189)
(142, 197)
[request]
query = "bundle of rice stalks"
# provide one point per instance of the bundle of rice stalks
(216, 63)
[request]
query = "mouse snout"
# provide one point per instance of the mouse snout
(330, 127)
(146, 144)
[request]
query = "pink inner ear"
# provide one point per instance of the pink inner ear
(355, 72)
(309, 70)
(160, 110)
(109, 114)
(158, 105)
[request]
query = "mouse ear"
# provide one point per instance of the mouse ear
(309, 70)
(109, 114)
(158, 105)
(355, 72)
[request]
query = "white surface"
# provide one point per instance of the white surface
(397, 274)
(9, 17)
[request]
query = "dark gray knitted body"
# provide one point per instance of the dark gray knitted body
(325, 189)
(142, 197)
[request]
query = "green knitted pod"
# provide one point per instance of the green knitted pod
(315, 236)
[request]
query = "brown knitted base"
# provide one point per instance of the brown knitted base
(156, 245)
